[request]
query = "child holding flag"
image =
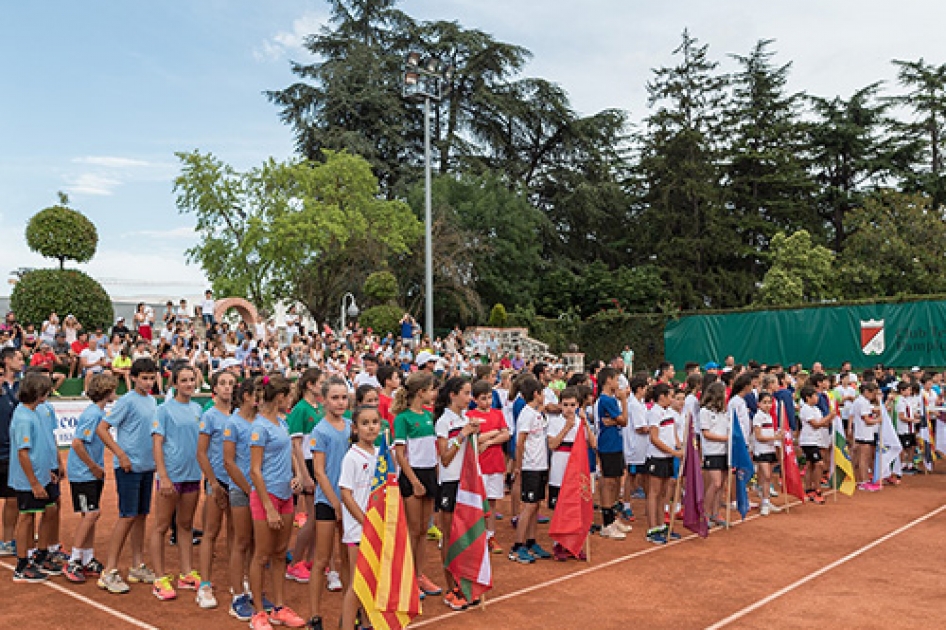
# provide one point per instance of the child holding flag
(493, 434)
(716, 424)
(562, 430)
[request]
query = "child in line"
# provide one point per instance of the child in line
(716, 424)
(306, 413)
(636, 437)
(664, 446)
(812, 422)
(906, 424)
(86, 468)
(562, 430)
(763, 450)
(611, 415)
(866, 419)
(493, 434)
(354, 482)
(531, 466)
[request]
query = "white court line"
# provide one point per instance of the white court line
(577, 574)
(91, 602)
(811, 576)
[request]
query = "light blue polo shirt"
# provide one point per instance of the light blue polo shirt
(179, 424)
(27, 430)
(213, 423)
(85, 432)
(238, 431)
(277, 455)
(334, 443)
(133, 416)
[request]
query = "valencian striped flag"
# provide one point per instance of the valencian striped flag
(467, 552)
(385, 581)
(842, 470)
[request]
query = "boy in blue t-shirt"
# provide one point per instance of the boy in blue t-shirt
(611, 412)
(132, 417)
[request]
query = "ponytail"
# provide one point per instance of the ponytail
(415, 383)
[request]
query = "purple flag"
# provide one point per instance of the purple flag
(694, 514)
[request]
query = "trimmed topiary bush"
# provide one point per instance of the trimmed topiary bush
(382, 319)
(498, 316)
(64, 291)
(62, 233)
(381, 287)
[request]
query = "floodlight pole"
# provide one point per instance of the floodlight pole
(428, 230)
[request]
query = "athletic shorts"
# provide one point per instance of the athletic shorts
(184, 487)
(766, 458)
(612, 464)
(29, 504)
(636, 469)
(812, 453)
(208, 489)
(495, 485)
(553, 496)
(134, 492)
(660, 467)
(6, 492)
(715, 462)
(534, 483)
(872, 442)
(325, 512)
(258, 512)
(311, 468)
(86, 495)
(238, 498)
(908, 440)
(447, 496)
(427, 478)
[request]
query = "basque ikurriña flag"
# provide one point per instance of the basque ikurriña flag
(467, 551)
(385, 581)
(574, 512)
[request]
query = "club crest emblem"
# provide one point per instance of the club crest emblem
(872, 337)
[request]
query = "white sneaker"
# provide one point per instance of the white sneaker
(773, 508)
(772, 491)
(205, 597)
(612, 532)
(765, 508)
(621, 527)
(333, 582)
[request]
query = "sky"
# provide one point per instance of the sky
(97, 96)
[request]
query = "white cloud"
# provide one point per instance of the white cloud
(291, 42)
(92, 184)
(178, 233)
(110, 161)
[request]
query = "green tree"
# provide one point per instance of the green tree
(381, 287)
(43, 291)
(298, 231)
(801, 271)
(62, 233)
(498, 316)
(895, 247)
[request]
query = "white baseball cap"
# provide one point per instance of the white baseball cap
(423, 357)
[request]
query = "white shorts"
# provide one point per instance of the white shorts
(495, 486)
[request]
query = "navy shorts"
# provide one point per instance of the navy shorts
(134, 492)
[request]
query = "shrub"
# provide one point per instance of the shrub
(381, 319)
(64, 291)
(381, 287)
(62, 233)
(498, 317)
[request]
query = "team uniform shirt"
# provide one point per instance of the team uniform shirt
(334, 444)
(861, 409)
(763, 421)
(132, 418)
(417, 433)
(534, 426)
(609, 437)
(213, 423)
(28, 431)
(9, 399)
(811, 436)
(449, 426)
(717, 423)
(179, 423)
(738, 404)
(664, 420)
(691, 406)
(916, 409)
(902, 407)
(276, 469)
(636, 443)
(357, 474)
(238, 430)
(88, 421)
(301, 420)
(492, 460)
(560, 455)
(846, 392)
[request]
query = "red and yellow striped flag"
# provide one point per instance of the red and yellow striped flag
(385, 581)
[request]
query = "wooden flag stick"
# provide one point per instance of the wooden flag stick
(588, 548)
(678, 487)
(783, 426)
(833, 477)
(729, 476)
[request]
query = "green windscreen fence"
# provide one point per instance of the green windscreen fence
(901, 335)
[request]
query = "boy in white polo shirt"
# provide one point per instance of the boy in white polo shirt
(813, 423)
(866, 419)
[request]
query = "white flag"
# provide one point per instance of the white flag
(890, 451)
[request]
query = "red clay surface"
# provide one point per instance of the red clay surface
(690, 584)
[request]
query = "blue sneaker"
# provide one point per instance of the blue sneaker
(638, 494)
(538, 552)
(8, 548)
(268, 606)
(657, 538)
(543, 520)
(241, 608)
(521, 555)
(671, 535)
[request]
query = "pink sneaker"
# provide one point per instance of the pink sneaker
(285, 616)
(298, 572)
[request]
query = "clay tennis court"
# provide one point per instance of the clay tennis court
(871, 560)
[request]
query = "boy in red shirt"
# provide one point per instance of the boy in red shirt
(493, 433)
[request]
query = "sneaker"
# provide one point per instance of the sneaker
(612, 532)
(657, 538)
(112, 582)
(299, 520)
(455, 600)
(298, 573)
(669, 535)
(421, 595)
(772, 491)
(74, 573)
(285, 616)
(30, 574)
(717, 522)
(434, 533)
(815, 497)
(162, 589)
(141, 574)
(559, 553)
(493, 545)
(189, 582)
(621, 527)
(627, 514)
(427, 586)
(260, 621)
(314, 623)
(521, 555)
(766, 506)
(94, 568)
(543, 520)
(539, 552)
(332, 582)
(892, 480)
(8, 548)
(639, 494)
(514, 521)
(205, 597)
(60, 556)
(48, 566)
(498, 516)
(268, 606)
(240, 607)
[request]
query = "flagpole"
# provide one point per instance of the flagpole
(835, 484)
(676, 491)
(879, 456)
(729, 473)
(783, 426)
